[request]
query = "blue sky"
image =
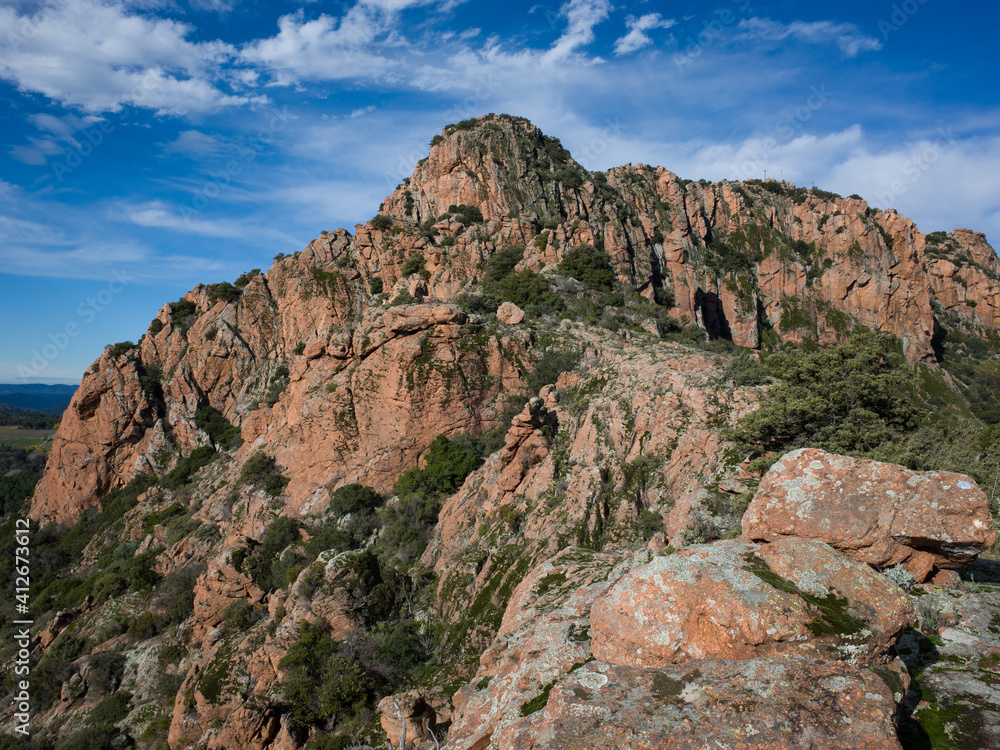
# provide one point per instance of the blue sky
(151, 145)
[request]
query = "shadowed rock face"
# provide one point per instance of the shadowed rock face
(877, 513)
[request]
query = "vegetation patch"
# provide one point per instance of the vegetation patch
(260, 470)
(834, 619)
(538, 702)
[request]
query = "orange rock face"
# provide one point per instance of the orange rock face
(880, 514)
(360, 404)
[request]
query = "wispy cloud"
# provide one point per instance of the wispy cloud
(847, 36)
(197, 145)
(637, 38)
(582, 16)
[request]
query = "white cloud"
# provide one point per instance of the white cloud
(197, 145)
(37, 151)
(582, 17)
(847, 36)
(324, 48)
(161, 215)
(99, 56)
(637, 38)
(156, 214)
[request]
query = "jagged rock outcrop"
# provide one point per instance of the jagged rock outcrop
(749, 260)
(363, 410)
(582, 465)
(880, 514)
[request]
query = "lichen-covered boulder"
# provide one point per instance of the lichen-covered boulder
(878, 513)
(778, 703)
(741, 601)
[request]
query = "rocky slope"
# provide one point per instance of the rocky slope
(206, 465)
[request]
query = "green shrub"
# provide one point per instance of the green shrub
(353, 498)
(502, 264)
(277, 385)
(588, 264)
(530, 291)
(693, 334)
(168, 685)
(259, 559)
(381, 223)
(552, 364)
(122, 347)
(181, 311)
(213, 423)
(746, 370)
(150, 379)
(415, 263)
(406, 528)
(260, 470)
(54, 668)
(245, 278)
(157, 517)
(403, 298)
(175, 593)
(188, 466)
(144, 626)
(225, 292)
(468, 215)
(320, 683)
(447, 464)
(850, 399)
(402, 646)
(237, 617)
(375, 285)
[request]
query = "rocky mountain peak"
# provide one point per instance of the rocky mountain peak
(503, 166)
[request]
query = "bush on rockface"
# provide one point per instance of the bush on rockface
(266, 561)
(319, 682)
(862, 399)
(260, 470)
(849, 399)
(407, 523)
(591, 266)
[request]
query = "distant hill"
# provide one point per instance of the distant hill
(47, 399)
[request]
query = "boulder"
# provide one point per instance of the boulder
(878, 513)
(778, 703)
(740, 601)
(314, 349)
(510, 314)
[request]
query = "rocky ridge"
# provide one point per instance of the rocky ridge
(550, 565)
